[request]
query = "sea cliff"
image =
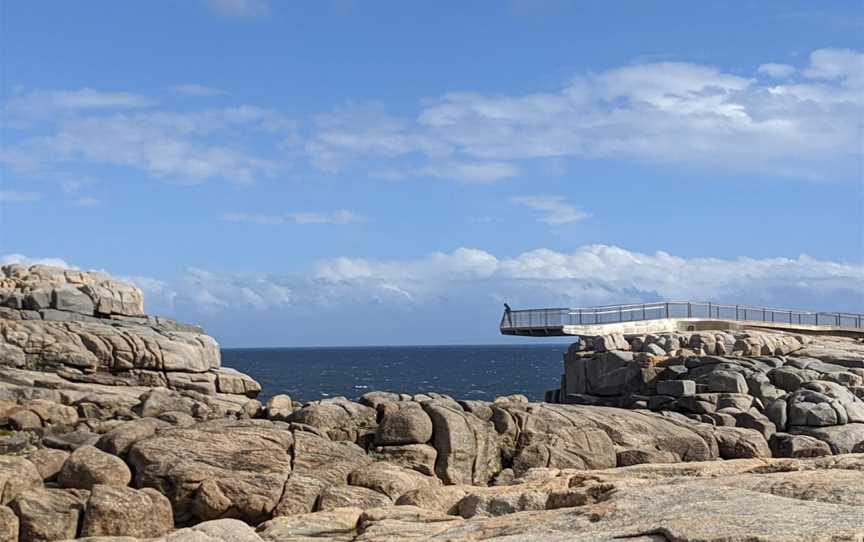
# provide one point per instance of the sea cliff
(118, 425)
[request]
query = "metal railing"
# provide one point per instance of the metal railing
(610, 314)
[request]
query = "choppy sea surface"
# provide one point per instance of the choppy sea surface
(464, 372)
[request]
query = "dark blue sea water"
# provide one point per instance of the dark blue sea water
(464, 372)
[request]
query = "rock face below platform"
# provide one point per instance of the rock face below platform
(773, 382)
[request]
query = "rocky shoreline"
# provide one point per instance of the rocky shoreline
(116, 425)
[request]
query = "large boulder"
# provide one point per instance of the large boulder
(123, 511)
(467, 447)
(352, 496)
(389, 479)
(338, 417)
(88, 466)
(49, 514)
(216, 469)
(404, 423)
(419, 457)
(17, 475)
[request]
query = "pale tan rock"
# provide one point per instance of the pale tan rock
(17, 475)
(352, 497)
(123, 511)
(389, 479)
(336, 525)
(419, 457)
(443, 499)
(216, 468)
(48, 462)
(217, 530)
(49, 514)
(8, 525)
(88, 466)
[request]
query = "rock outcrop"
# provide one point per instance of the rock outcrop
(115, 425)
(767, 381)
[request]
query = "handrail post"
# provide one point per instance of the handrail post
(667, 310)
(643, 311)
(736, 312)
(709, 310)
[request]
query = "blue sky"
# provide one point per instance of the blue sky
(341, 172)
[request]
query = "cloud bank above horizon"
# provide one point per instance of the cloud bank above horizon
(792, 121)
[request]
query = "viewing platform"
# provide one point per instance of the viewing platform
(669, 316)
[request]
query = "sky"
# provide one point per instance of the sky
(365, 173)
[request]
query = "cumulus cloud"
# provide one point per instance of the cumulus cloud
(664, 112)
(555, 209)
(340, 217)
(240, 8)
(590, 275)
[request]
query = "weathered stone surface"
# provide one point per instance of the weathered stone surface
(740, 443)
(676, 388)
(88, 466)
(352, 496)
(8, 525)
(118, 441)
(338, 417)
(389, 479)
(325, 460)
(405, 424)
(218, 530)
(419, 457)
(216, 468)
(797, 446)
(394, 523)
(444, 499)
(49, 514)
(467, 446)
(842, 439)
(300, 495)
(336, 525)
(279, 407)
(17, 475)
(123, 511)
(70, 441)
(48, 462)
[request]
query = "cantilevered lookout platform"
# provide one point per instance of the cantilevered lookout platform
(669, 316)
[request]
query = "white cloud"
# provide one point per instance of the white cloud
(837, 64)
(240, 8)
(15, 196)
(555, 209)
(467, 278)
(778, 71)
(181, 147)
(339, 216)
(198, 90)
(665, 112)
(45, 103)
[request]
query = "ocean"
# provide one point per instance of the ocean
(464, 372)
